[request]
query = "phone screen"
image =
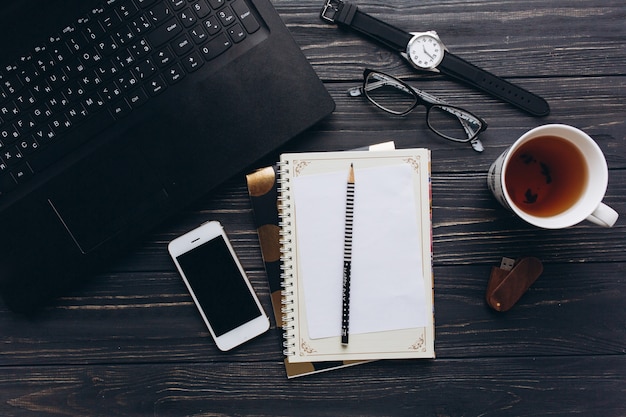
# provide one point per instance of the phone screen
(221, 291)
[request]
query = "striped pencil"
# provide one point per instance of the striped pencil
(347, 258)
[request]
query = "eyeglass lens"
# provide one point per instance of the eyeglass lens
(453, 123)
(387, 94)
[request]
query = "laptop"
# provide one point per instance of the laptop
(116, 114)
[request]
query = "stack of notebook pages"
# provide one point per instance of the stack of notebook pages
(299, 207)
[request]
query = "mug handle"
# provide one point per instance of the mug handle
(604, 216)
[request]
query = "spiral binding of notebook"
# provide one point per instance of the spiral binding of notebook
(286, 260)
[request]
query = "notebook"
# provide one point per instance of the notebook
(116, 114)
(263, 191)
(391, 290)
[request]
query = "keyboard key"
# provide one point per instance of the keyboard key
(140, 48)
(141, 25)
(28, 146)
(77, 113)
(24, 124)
(25, 99)
(198, 34)
(110, 19)
(165, 33)
(41, 113)
(177, 4)
(187, 17)
(73, 69)
(44, 134)
(57, 78)
(120, 109)
(227, 17)
(127, 10)
(125, 59)
(22, 172)
(201, 8)
(216, 4)
(76, 42)
(8, 133)
(156, 85)
(212, 25)
(193, 62)
(60, 124)
(57, 102)
(216, 46)
(236, 32)
(245, 15)
(59, 51)
(12, 156)
(93, 30)
(90, 81)
(124, 34)
(93, 103)
(163, 57)
(3, 167)
(182, 45)
(144, 69)
(106, 70)
(27, 73)
(91, 57)
(174, 74)
(9, 110)
(11, 84)
(159, 14)
(107, 46)
(145, 3)
(110, 92)
(126, 81)
(137, 98)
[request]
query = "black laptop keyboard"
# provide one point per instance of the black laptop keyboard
(64, 91)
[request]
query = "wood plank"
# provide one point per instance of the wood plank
(562, 386)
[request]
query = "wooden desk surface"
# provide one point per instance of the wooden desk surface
(130, 342)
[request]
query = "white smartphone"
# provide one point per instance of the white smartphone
(218, 285)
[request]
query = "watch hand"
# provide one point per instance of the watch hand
(426, 52)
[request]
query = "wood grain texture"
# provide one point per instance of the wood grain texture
(487, 387)
(129, 342)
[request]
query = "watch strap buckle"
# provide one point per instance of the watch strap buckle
(331, 9)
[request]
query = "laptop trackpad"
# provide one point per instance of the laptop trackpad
(106, 198)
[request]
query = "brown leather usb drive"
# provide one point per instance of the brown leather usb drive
(510, 281)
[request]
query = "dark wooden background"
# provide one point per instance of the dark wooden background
(130, 341)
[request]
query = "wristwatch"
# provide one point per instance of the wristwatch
(425, 51)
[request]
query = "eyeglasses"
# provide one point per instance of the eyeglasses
(396, 97)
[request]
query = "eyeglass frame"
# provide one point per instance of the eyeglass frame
(427, 100)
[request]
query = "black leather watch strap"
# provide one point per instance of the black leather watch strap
(349, 15)
(467, 72)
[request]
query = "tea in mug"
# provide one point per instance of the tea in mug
(546, 176)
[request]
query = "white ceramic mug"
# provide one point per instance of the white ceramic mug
(554, 176)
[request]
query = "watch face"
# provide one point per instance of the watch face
(425, 51)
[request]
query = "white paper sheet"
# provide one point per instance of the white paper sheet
(387, 286)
